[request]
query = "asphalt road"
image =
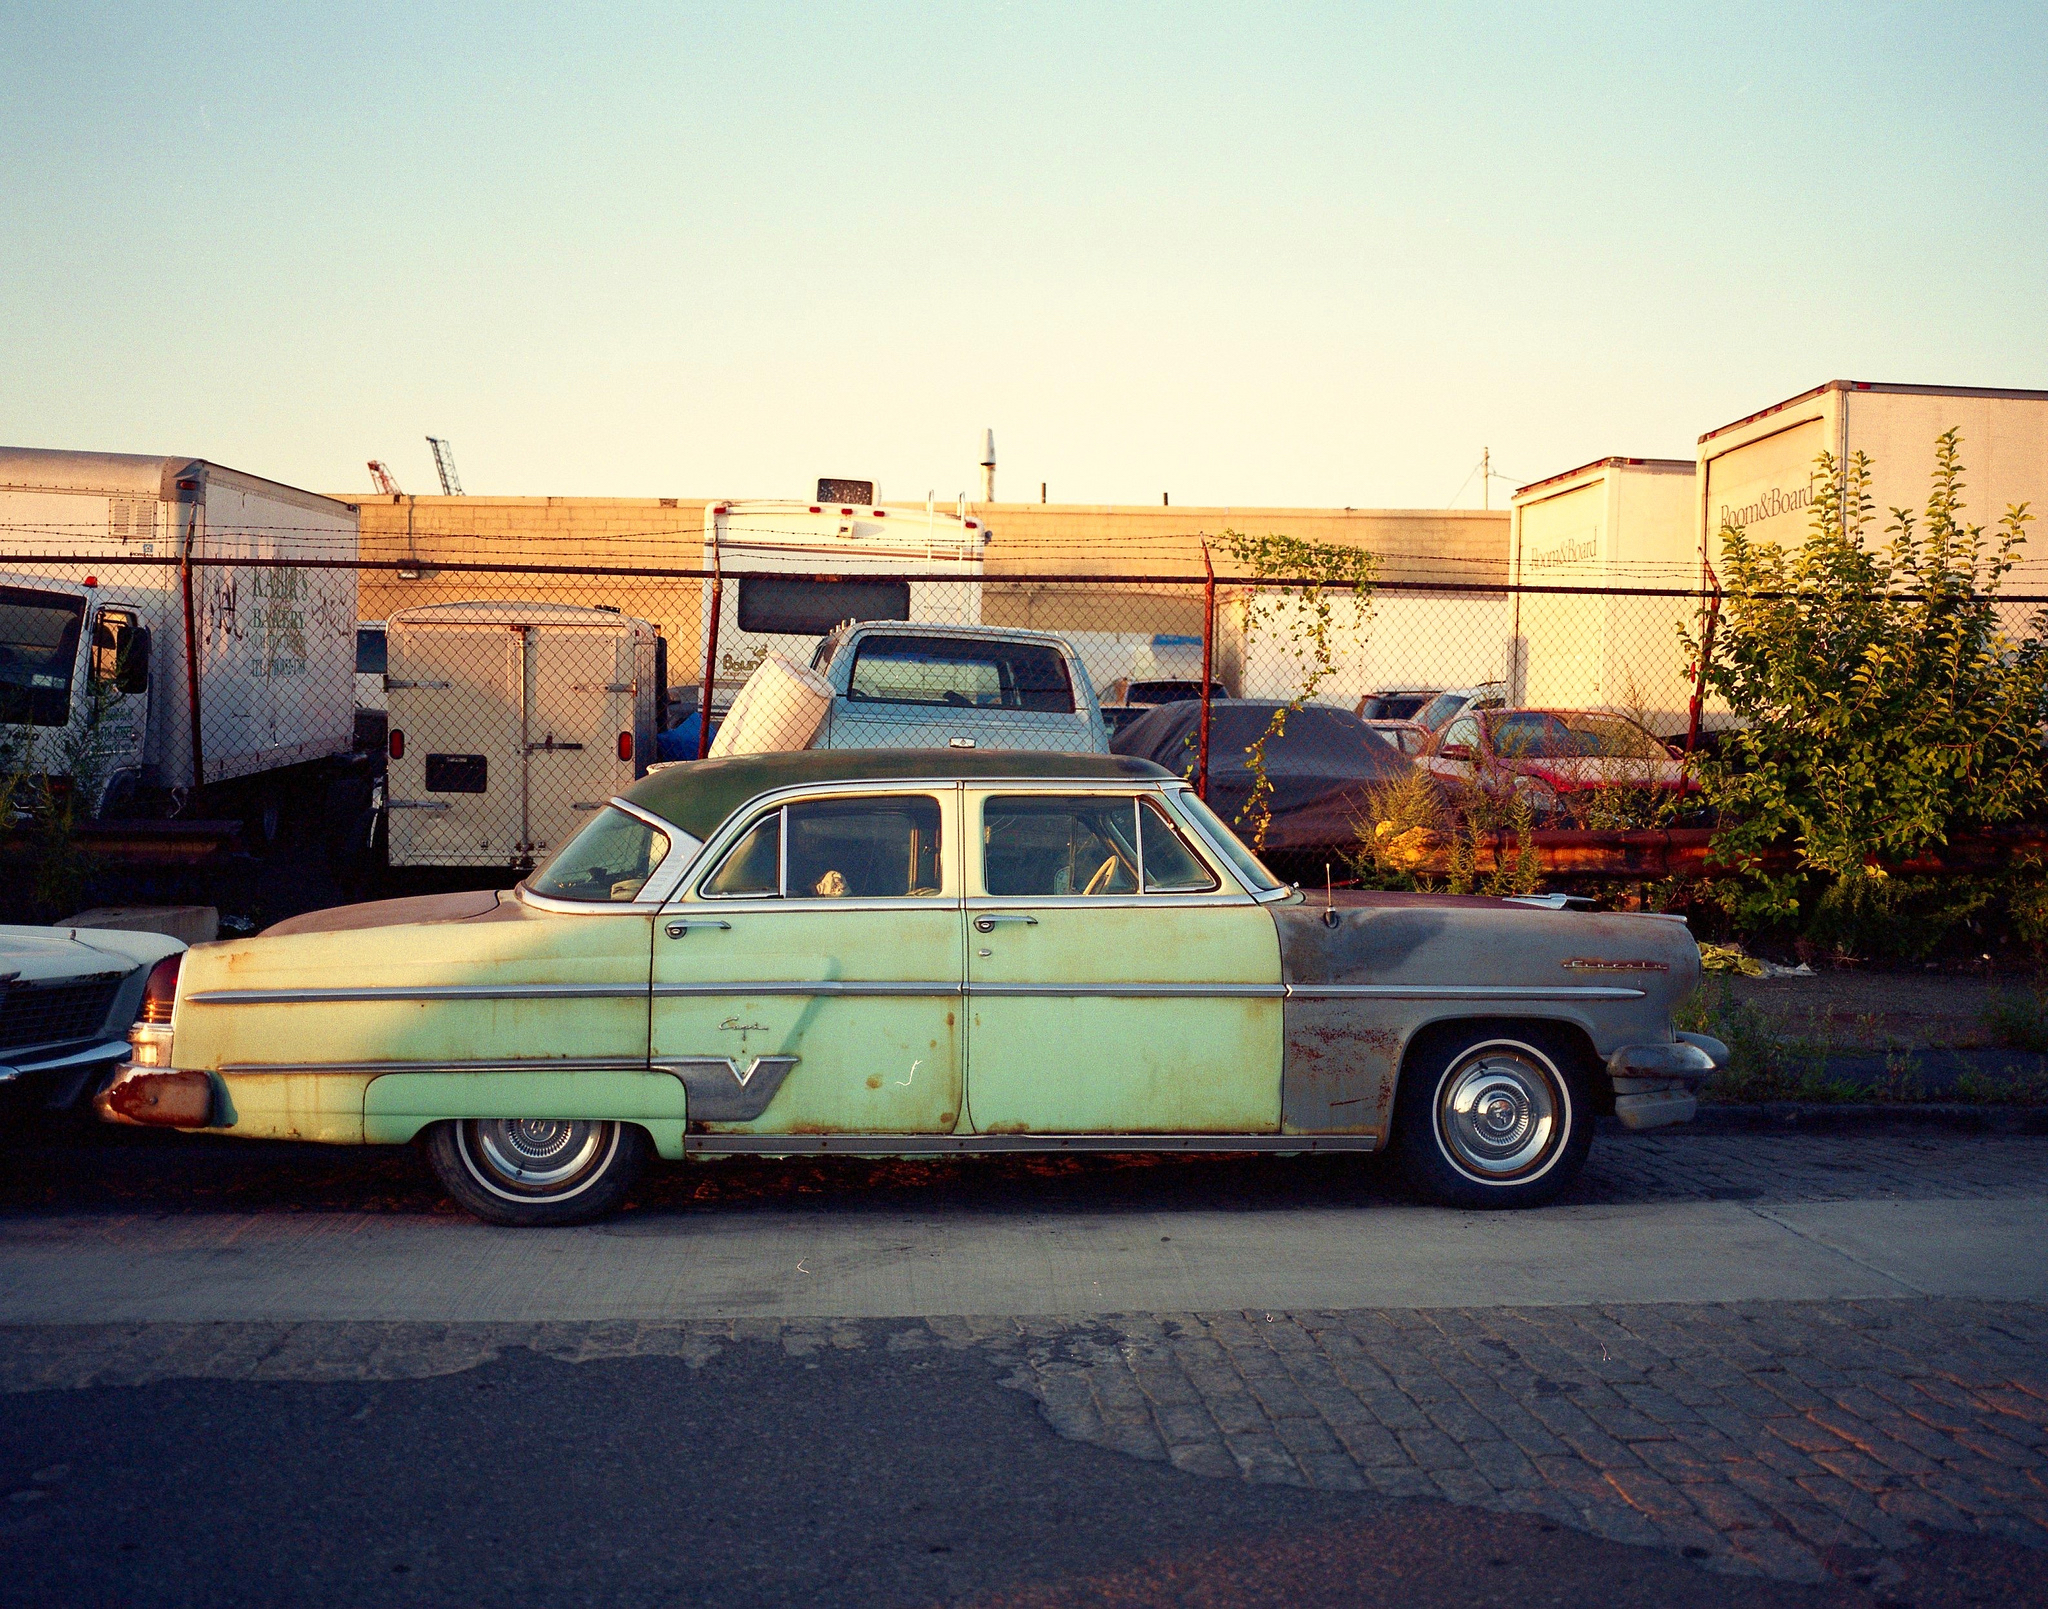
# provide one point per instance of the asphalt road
(239, 1375)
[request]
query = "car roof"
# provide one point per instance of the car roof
(698, 795)
(925, 628)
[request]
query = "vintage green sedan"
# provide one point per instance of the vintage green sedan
(891, 953)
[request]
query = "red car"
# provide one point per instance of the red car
(1547, 754)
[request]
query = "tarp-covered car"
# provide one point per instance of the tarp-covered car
(919, 952)
(1322, 767)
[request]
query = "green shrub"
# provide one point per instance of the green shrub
(1883, 707)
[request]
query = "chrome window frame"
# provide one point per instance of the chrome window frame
(1168, 819)
(1172, 791)
(749, 815)
(1230, 889)
(661, 881)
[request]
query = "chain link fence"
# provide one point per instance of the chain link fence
(475, 714)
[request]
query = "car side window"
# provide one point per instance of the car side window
(1464, 730)
(1170, 866)
(752, 868)
(869, 848)
(1032, 845)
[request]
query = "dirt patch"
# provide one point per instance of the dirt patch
(1876, 1010)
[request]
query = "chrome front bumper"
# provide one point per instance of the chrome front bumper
(157, 1097)
(1657, 1085)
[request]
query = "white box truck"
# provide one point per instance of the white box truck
(1758, 473)
(510, 724)
(100, 683)
(1618, 522)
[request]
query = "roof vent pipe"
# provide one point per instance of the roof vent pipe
(988, 465)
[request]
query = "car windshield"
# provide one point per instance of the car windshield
(608, 860)
(38, 647)
(1612, 737)
(961, 672)
(1539, 735)
(1440, 709)
(1170, 692)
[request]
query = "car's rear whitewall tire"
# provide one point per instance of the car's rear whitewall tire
(1494, 1115)
(531, 1172)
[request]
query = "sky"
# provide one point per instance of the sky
(1238, 254)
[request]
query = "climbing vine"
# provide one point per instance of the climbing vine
(1303, 593)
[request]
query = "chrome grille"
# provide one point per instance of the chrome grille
(40, 1013)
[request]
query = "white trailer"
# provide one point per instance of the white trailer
(1618, 522)
(510, 723)
(1758, 473)
(793, 571)
(98, 681)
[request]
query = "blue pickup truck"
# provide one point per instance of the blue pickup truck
(903, 685)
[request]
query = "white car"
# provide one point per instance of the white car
(68, 996)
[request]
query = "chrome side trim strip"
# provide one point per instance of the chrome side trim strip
(969, 1144)
(829, 988)
(452, 991)
(1456, 991)
(1134, 991)
(535, 1064)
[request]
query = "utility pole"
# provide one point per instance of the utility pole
(1486, 478)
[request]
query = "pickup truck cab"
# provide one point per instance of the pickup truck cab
(906, 685)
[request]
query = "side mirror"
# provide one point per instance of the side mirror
(1456, 751)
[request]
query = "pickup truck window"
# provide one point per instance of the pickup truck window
(38, 647)
(608, 860)
(960, 672)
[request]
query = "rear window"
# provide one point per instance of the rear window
(961, 673)
(372, 651)
(802, 607)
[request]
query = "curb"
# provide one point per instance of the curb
(1824, 1117)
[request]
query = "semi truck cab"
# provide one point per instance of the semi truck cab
(74, 685)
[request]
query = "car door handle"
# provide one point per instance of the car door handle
(676, 930)
(987, 924)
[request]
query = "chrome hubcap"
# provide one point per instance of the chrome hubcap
(536, 1156)
(1498, 1111)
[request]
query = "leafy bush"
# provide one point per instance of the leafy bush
(1882, 705)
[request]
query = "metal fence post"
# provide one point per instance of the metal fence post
(1208, 672)
(710, 655)
(1699, 686)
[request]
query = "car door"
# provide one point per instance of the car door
(1119, 980)
(807, 980)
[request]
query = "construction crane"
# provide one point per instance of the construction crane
(444, 462)
(380, 477)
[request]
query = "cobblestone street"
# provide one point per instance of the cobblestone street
(1802, 1440)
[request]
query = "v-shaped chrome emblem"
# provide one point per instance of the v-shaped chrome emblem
(721, 1093)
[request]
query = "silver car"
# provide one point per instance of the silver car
(902, 685)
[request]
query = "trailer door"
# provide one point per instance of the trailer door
(456, 774)
(577, 702)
